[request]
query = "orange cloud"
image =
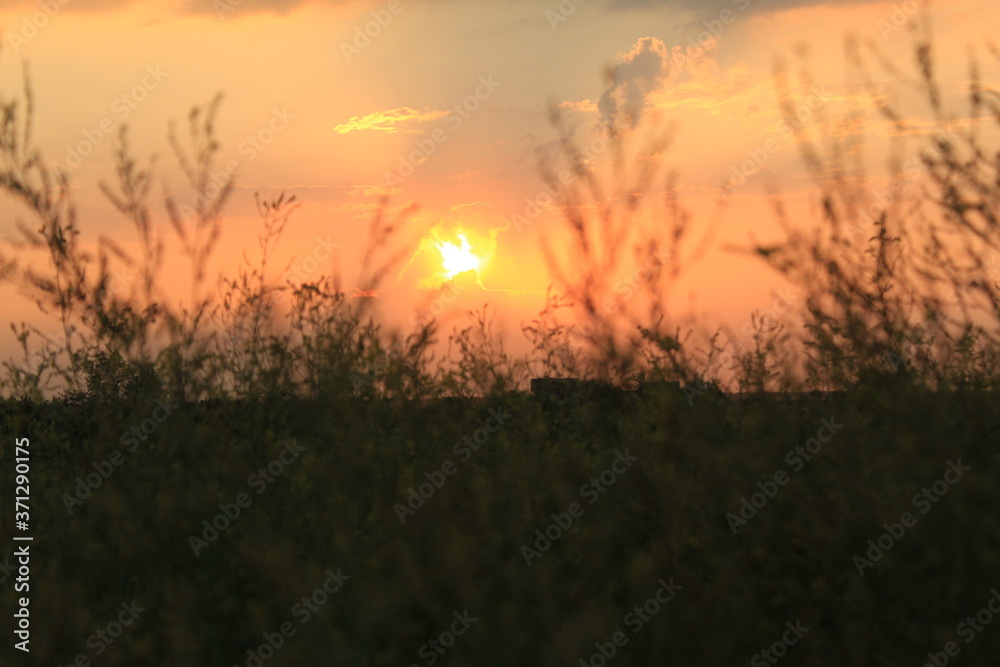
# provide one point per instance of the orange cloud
(579, 105)
(387, 121)
(637, 74)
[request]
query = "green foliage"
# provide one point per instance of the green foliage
(664, 517)
(109, 378)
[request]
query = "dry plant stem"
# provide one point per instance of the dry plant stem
(863, 297)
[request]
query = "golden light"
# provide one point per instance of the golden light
(458, 258)
(448, 252)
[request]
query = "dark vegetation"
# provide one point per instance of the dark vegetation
(897, 342)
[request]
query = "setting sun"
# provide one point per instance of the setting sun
(459, 258)
(514, 310)
(448, 251)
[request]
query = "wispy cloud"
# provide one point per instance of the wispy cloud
(389, 120)
(712, 7)
(284, 7)
(579, 105)
(637, 74)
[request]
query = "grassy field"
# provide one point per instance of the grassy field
(209, 488)
(557, 532)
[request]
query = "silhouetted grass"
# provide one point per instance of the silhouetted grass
(192, 402)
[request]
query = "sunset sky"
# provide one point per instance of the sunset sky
(338, 102)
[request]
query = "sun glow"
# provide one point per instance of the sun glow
(451, 252)
(458, 258)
